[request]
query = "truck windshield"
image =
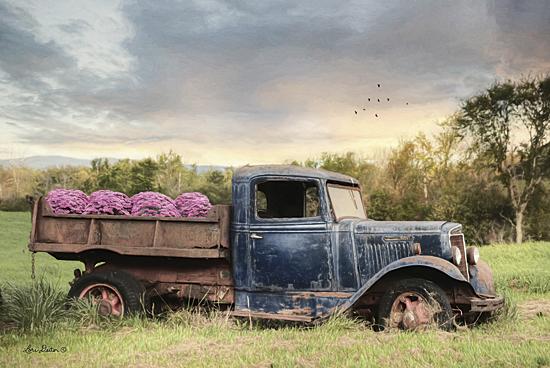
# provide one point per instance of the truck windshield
(346, 202)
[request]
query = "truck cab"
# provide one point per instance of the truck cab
(296, 244)
(303, 248)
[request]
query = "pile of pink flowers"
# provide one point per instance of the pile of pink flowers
(193, 204)
(66, 201)
(153, 204)
(109, 203)
(106, 202)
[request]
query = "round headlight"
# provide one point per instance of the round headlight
(472, 254)
(457, 256)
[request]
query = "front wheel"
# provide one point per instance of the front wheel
(413, 304)
(115, 293)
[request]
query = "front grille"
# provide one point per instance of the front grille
(458, 241)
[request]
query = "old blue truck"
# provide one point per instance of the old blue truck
(296, 244)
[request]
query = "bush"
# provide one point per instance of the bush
(14, 204)
(39, 306)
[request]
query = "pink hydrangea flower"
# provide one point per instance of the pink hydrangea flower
(108, 203)
(153, 204)
(67, 201)
(193, 204)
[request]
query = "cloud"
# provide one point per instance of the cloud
(222, 76)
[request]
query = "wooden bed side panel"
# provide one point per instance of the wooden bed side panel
(155, 236)
(188, 235)
(53, 230)
(125, 233)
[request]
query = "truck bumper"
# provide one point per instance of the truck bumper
(486, 304)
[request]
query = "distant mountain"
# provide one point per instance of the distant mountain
(43, 162)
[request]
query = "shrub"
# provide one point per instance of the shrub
(34, 307)
(14, 204)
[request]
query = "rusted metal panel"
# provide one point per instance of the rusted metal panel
(130, 251)
(188, 235)
(207, 272)
(126, 233)
(486, 304)
(129, 235)
(51, 230)
(35, 210)
(275, 316)
(481, 278)
(93, 234)
(218, 294)
(225, 225)
(191, 278)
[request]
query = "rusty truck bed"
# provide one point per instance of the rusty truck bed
(186, 237)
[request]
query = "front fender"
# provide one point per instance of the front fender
(431, 262)
(481, 279)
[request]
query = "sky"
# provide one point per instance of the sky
(239, 82)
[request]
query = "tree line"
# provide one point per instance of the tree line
(489, 169)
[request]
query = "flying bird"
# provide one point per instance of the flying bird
(388, 99)
(364, 109)
(376, 115)
(368, 99)
(378, 85)
(378, 100)
(406, 103)
(355, 112)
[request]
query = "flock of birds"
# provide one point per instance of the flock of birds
(378, 100)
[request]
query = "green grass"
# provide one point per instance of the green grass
(189, 340)
(524, 270)
(15, 258)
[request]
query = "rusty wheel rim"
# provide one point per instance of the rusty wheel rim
(108, 299)
(411, 311)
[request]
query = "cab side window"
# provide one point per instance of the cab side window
(287, 199)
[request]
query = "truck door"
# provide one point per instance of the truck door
(289, 236)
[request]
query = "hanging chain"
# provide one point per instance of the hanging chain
(32, 265)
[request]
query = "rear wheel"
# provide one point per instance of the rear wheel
(115, 292)
(413, 304)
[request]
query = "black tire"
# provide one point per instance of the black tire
(428, 290)
(132, 292)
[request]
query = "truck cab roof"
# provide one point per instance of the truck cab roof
(248, 172)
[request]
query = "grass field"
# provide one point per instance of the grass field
(519, 339)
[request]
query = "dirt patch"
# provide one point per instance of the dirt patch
(534, 308)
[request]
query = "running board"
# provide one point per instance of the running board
(264, 315)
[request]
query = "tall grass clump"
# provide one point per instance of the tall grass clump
(509, 312)
(342, 322)
(34, 307)
(198, 317)
(85, 313)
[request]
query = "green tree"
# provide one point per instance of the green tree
(508, 127)
(143, 176)
(172, 174)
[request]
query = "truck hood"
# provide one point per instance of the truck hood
(396, 237)
(402, 227)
